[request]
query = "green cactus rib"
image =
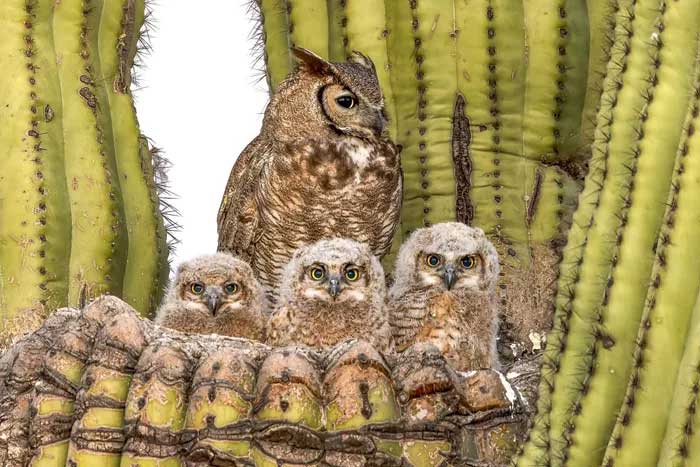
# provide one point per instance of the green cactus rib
(99, 236)
(557, 33)
(602, 16)
(675, 276)
(308, 25)
(34, 212)
(681, 446)
(491, 77)
(120, 23)
(337, 22)
(275, 35)
(364, 29)
(152, 176)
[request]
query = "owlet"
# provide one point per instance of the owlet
(215, 294)
(444, 294)
(321, 167)
(331, 291)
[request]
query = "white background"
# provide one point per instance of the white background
(201, 101)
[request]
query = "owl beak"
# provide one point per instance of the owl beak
(380, 123)
(334, 286)
(449, 275)
(213, 300)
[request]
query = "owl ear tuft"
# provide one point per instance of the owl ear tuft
(311, 61)
(361, 59)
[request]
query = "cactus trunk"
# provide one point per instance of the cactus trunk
(486, 100)
(103, 387)
(79, 214)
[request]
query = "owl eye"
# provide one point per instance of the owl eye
(468, 262)
(197, 288)
(345, 101)
(317, 273)
(231, 288)
(352, 274)
(433, 261)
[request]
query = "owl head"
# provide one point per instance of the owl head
(335, 271)
(322, 97)
(216, 285)
(450, 256)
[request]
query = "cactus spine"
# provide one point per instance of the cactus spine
(79, 214)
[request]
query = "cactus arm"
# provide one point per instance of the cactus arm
(659, 345)
(639, 224)
(275, 29)
(602, 239)
(34, 212)
(308, 25)
(119, 29)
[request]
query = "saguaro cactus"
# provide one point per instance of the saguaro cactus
(489, 102)
(103, 387)
(79, 212)
(622, 351)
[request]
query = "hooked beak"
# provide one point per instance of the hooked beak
(334, 286)
(449, 276)
(380, 123)
(213, 300)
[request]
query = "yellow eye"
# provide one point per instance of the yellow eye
(433, 261)
(468, 262)
(317, 273)
(197, 288)
(352, 274)
(231, 288)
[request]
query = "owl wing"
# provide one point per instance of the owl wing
(238, 213)
(408, 315)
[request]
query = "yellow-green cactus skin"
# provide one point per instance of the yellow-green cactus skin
(619, 379)
(79, 207)
(105, 387)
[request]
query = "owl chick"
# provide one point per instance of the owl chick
(321, 167)
(444, 294)
(215, 294)
(331, 291)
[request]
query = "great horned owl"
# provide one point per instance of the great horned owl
(321, 167)
(444, 294)
(331, 291)
(215, 294)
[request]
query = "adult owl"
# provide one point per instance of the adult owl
(215, 294)
(444, 294)
(321, 167)
(331, 291)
